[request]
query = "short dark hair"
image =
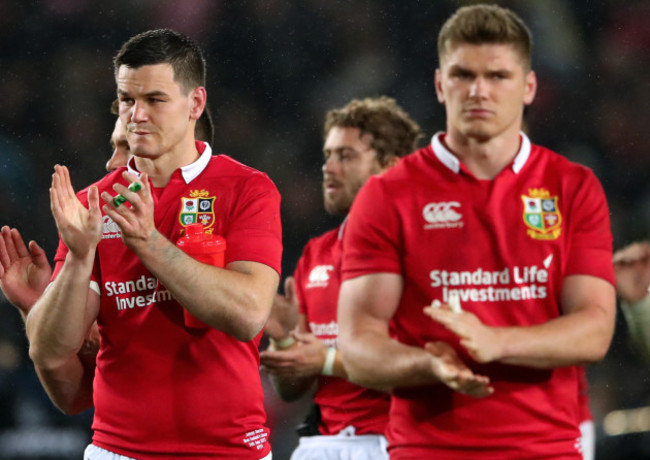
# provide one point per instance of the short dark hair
(486, 24)
(393, 131)
(165, 46)
(204, 129)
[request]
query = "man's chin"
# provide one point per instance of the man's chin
(143, 153)
(336, 209)
(479, 134)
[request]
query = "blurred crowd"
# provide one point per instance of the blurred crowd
(274, 68)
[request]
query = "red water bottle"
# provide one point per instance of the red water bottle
(206, 248)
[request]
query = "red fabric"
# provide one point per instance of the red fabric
(161, 389)
(444, 230)
(342, 403)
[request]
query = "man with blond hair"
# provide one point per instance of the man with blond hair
(487, 251)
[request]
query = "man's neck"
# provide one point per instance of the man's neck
(484, 159)
(161, 168)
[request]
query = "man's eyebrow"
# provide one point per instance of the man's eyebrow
(154, 93)
(459, 68)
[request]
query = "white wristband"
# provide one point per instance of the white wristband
(328, 365)
(284, 343)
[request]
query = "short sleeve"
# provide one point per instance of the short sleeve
(590, 238)
(372, 236)
(255, 232)
(299, 281)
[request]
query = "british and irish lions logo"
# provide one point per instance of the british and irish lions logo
(542, 214)
(198, 208)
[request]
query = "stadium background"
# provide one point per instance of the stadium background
(274, 68)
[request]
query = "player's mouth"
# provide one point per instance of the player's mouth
(478, 112)
(135, 129)
(331, 186)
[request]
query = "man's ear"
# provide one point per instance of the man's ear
(531, 88)
(199, 97)
(437, 81)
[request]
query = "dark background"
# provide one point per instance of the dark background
(274, 68)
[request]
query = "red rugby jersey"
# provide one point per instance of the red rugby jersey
(583, 396)
(342, 403)
(161, 389)
(504, 245)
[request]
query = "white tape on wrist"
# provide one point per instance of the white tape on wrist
(328, 365)
(284, 343)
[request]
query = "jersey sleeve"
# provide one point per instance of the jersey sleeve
(371, 240)
(299, 281)
(590, 239)
(255, 233)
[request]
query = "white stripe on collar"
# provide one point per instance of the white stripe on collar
(189, 172)
(453, 163)
(345, 221)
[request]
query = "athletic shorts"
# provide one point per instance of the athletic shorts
(93, 452)
(588, 440)
(342, 446)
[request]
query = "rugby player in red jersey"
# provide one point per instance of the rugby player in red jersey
(162, 388)
(516, 232)
(364, 138)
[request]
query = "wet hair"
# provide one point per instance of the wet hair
(393, 131)
(165, 46)
(486, 24)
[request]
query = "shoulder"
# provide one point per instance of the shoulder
(559, 165)
(325, 239)
(227, 166)
(319, 248)
(232, 170)
(410, 173)
(411, 164)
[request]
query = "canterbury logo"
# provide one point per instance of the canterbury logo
(319, 276)
(110, 229)
(440, 213)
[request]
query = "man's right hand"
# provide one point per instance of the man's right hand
(284, 312)
(632, 269)
(80, 228)
(24, 273)
(454, 373)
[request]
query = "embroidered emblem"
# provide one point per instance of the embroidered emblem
(198, 208)
(319, 276)
(443, 215)
(110, 229)
(542, 214)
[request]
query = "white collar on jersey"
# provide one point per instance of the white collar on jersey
(452, 162)
(189, 172)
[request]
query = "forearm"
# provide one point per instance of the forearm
(577, 338)
(376, 361)
(57, 324)
(637, 316)
(229, 300)
(69, 386)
